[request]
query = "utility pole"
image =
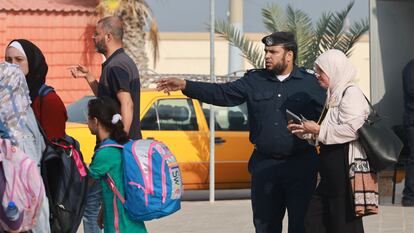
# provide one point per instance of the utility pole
(212, 114)
(236, 20)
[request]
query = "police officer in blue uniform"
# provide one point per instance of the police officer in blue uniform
(282, 167)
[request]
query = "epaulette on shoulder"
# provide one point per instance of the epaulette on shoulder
(253, 70)
(309, 71)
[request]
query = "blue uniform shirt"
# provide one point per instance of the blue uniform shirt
(267, 100)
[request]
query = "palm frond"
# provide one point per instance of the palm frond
(355, 33)
(140, 8)
(154, 39)
(250, 51)
(273, 17)
(335, 28)
(318, 42)
(107, 7)
(300, 24)
(328, 33)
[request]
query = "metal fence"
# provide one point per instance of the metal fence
(148, 77)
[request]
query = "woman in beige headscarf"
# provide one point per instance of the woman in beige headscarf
(348, 188)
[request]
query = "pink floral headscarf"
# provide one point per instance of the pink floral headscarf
(14, 99)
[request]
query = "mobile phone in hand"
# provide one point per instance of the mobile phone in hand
(290, 116)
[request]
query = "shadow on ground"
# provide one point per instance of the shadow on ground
(228, 194)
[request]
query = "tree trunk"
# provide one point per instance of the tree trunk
(134, 39)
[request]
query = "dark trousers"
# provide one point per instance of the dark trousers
(331, 209)
(280, 185)
(408, 193)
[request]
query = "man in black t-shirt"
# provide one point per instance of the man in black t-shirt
(119, 78)
(120, 81)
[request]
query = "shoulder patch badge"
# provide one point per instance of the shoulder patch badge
(310, 71)
(252, 70)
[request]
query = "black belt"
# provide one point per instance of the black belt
(273, 156)
(282, 157)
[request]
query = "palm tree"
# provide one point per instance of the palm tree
(329, 32)
(136, 16)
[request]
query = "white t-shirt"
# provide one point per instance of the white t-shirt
(282, 77)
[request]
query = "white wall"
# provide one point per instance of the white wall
(188, 53)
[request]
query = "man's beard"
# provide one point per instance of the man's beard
(100, 47)
(280, 67)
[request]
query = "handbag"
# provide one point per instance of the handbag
(382, 146)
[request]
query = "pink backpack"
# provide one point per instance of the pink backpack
(21, 184)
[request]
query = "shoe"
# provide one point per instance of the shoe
(407, 203)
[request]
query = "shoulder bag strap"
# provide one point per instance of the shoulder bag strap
(372, 109)
(325, 108)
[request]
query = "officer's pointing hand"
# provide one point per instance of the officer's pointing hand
(170, 84)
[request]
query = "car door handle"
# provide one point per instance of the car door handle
(150, 138)
(219, 140)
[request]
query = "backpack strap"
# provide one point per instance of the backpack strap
(111, 183)
(111, 145)
(76, 157)
(43, 91)
(4, 133)
(45, 139)
(6, 143)
(108, 178)
(112, 186)
(116, 192)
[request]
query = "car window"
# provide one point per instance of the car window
(170, 114)
(228, 118)
(78, 110)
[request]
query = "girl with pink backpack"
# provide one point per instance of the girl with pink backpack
(24, 203)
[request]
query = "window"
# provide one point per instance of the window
(228, 118)
(78, 111)
(170, 114)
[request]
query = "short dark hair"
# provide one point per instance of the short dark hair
(113, 25)
(285, 39)
(103, 109)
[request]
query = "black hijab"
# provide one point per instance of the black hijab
(37, 67)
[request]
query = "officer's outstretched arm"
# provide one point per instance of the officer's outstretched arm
(224, 94)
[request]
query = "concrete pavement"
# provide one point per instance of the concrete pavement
(232, 213)
(235, 216)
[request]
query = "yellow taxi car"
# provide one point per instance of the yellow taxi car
(182, 124)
